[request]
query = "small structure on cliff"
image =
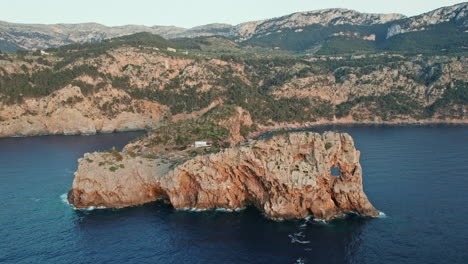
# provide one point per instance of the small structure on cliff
(201, 144)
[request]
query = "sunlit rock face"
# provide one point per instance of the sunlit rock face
(286, 176)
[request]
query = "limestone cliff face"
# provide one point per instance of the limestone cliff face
(287, 176)
(455, 13)
(67, 111)
(348, 83)
(325, 17)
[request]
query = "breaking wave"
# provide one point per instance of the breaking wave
(296, 238)
(226, 210)
(64, 199)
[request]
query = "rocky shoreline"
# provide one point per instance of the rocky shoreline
(262, 129)
(287, 176)
(294, 126)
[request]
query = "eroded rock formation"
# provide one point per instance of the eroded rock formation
(67, 111)
(286, 176)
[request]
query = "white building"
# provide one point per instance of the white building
(171, 49)
(200, 144)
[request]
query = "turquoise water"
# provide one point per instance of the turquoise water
(416, 175)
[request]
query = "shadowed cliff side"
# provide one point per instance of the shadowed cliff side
(287, 176)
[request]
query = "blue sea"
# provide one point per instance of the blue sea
(416, 175)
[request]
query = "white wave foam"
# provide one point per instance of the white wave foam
(321, 221)
(189, 209)
(219, 209)
(64, 198)
(295, 239)
(91, 208)
(299, 234)
(381, 215)
(299, 261)
(230, 210)
(344, 215)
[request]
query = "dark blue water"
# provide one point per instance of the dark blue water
(418, 176)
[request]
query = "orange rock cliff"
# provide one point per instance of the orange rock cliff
(286, 176)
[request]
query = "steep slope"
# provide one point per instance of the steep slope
(114, 78)
(344, 32)
(67, 111)
(300, 20)
(456, 13)
(442, 31)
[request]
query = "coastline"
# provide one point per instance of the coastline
(77, 134)
(264, 129)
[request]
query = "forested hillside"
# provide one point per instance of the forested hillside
(196, 74)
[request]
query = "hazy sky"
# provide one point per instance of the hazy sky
(190, 13)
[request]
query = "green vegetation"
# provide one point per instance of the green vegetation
(73, 52)
(254, 88)
(184, 132)
(183, 101)
(7, 46)
(386, 106)
(313, 37)
(455, 96)
(86, 88)
(328, 145)
(440, 39)
(117, 156)
(40, 83)
(245, 130)
(444, 38)
(346, 45)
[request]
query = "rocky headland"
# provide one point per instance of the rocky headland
(286, 176)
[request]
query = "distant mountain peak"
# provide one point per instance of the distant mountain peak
(310, 29)
(324, 17)
(421, 22)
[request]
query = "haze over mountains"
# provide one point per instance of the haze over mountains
(298, 32)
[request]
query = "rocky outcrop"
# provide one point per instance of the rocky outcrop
(348, 83)
(325, 17)
(114, 180)
(67, 111)
(287, 176)
(456, 13)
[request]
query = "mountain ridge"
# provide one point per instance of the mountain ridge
(14, 36)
